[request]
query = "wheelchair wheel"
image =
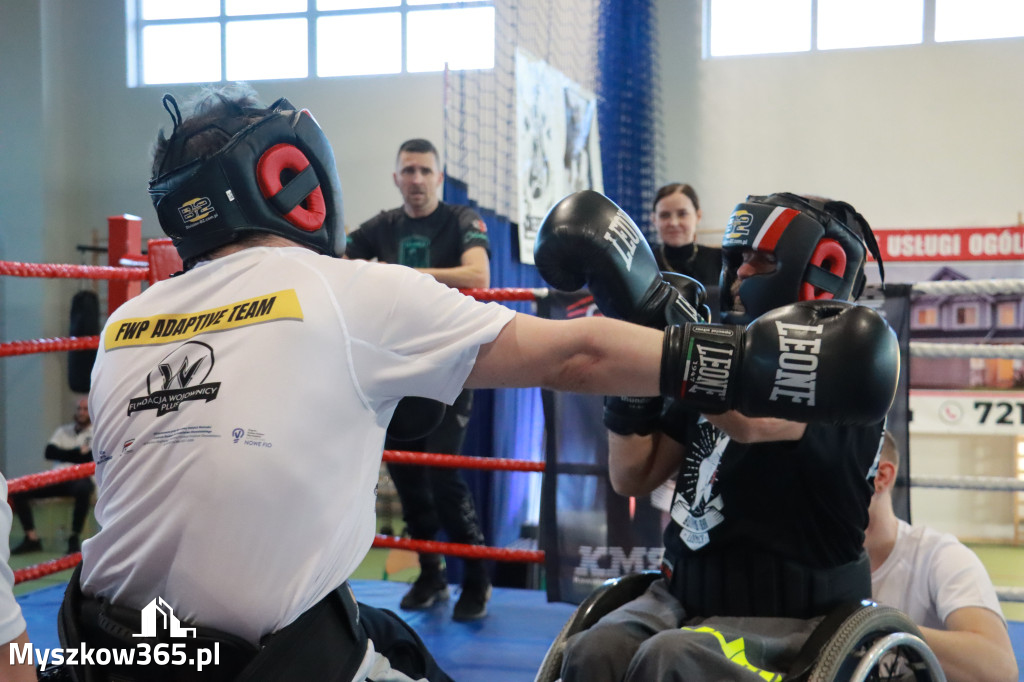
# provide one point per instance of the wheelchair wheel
(551, 666)
(606, 598)
(863, 645)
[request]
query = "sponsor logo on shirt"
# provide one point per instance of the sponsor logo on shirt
(178, 378)
(159, 329)
(251, 438)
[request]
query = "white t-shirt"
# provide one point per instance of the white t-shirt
(65, 438)
(12, 622)
(239, 415)
(929, 575)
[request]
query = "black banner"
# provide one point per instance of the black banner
(894, 305)
(589, 533)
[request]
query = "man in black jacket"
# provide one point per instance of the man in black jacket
(70, 444)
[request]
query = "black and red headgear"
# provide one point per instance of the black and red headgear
(275, 174)
(820, 248)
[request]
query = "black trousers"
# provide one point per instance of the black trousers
(80, 489)
(326, 643)
(437, 498)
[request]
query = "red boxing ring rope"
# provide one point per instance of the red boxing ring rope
(466, 551)
(47, 568)
(45, 478)
(15, 269)
(49, 345)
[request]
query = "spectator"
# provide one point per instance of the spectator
(676, 215)
(448, 242)
(939, 583)
(70, 444)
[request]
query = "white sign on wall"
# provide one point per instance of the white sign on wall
(558, 149)
(967, 412)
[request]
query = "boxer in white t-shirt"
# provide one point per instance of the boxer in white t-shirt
(240, 407)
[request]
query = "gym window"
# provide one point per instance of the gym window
(204, 41)
(751, 27)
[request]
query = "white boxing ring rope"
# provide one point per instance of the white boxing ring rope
(967, 482)
(968, 350)
(1010, 351)
(968, 287)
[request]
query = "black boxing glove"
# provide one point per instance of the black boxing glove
(691, 298)
(586, 240)
(415, 418)
(821, 361)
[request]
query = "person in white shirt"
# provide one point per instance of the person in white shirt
(939, 583)
(12, 622)
(70, 444)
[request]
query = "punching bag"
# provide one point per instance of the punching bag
(85, 321)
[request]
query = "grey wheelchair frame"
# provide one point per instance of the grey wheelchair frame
(849, 645)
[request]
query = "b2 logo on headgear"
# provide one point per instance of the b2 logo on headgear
(739, 224)
(197, 211)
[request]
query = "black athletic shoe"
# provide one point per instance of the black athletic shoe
(472, 604)
(27, 546)
(73, 544)
(425, 592)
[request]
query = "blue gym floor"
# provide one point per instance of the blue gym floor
(506, 646)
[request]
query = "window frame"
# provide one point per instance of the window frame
(927, 36)
(135, 25)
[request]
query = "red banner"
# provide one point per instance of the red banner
(952, 244)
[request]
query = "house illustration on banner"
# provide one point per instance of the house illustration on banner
(158, 608)
(971, 318)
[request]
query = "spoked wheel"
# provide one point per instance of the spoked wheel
(879, 644)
